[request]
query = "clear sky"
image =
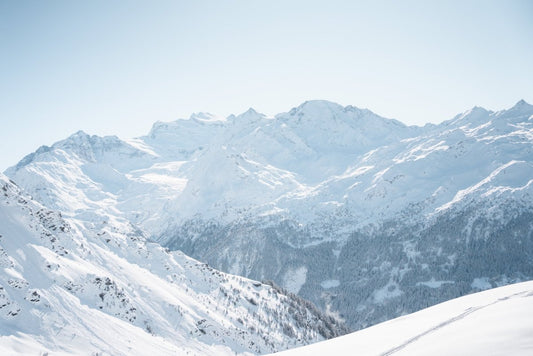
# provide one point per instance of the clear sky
(115, 67)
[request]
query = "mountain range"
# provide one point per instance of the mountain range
(364, 216)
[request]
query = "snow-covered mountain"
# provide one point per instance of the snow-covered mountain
(70, 288)
(495, 322)
(365, 216)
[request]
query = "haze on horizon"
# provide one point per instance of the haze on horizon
(117, 67)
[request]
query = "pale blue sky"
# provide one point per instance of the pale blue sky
(115, 67)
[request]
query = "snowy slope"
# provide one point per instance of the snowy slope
(495, 322)
(70, 288)
(306, 197)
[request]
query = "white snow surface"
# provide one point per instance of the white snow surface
(330, 283)
(318, 164)
(493, 322)
(71, 287)
(294, 279)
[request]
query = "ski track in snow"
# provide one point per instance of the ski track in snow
(450, 321)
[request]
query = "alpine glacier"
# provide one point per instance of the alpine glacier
(365, 216)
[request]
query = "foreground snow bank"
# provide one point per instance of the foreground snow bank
(493, 322)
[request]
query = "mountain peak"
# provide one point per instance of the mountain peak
(79, 133)
(520, 111)
(76, 138)
(250, 111)
(351, 108)
(205, 117)
(316, 105)
(522, 104)
(475, 115)
(249, 115)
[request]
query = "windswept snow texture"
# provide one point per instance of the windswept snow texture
(495, 322)
(72, 288)
(402, 217)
